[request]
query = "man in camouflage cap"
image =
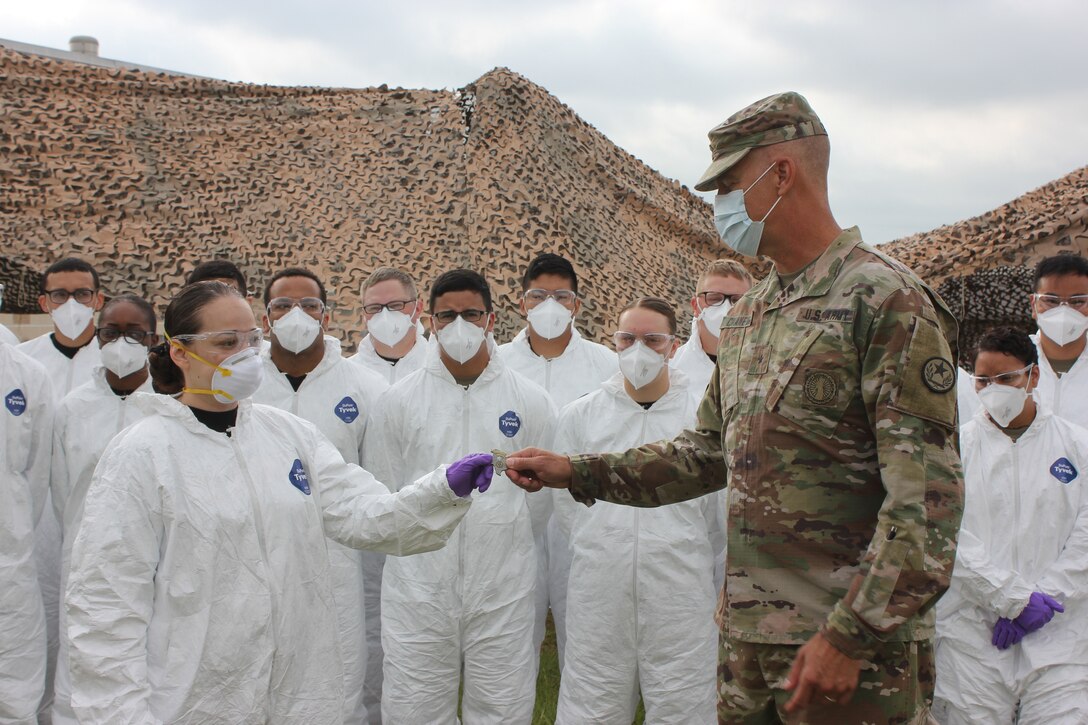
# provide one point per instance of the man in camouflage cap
(831, 414)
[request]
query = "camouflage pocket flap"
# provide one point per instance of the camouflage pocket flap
(927, 382)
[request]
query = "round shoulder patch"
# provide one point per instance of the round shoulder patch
(820, 387)
(939, 375)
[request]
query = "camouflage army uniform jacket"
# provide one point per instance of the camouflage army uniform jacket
(832, 412)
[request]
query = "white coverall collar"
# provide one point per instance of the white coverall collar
(436, 367)
(676, 395)
(576, 339)
(331, 357)
(168, 406)
(98, 379)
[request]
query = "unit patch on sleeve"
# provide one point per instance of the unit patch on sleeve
(939, 375)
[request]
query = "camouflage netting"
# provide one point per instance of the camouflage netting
(21, 286)
(986, 299)
(984, 266)
(145, 175)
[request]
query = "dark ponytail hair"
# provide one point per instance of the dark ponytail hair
(182, 318)
(658, 305)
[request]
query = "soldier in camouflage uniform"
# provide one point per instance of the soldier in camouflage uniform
(831, 414)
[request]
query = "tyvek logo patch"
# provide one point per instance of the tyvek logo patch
(347, 410)
(298, 477)
(15, 402)
(1063, 470)
(509, 424)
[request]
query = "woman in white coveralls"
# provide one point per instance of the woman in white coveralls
(640, 598)
(1012, 630)
(207, 599)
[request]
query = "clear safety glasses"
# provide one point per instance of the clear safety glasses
(1049, 302)
(656, 341)
(1010, 378)
(226, 341)
(564, 297)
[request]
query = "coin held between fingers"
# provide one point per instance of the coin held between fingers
(499, 462)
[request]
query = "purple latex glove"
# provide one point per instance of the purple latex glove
(473, 472)
(1039, 611)
(1007, 633)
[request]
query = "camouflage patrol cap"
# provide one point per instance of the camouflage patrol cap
(774, 119)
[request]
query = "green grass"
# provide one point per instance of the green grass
(547, 682)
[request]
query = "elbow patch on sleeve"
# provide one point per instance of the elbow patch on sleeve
(926, 387)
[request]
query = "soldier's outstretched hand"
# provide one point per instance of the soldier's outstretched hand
(535, 468)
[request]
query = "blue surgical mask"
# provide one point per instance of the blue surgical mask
(735, 227)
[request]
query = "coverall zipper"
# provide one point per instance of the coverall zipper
(258, 527)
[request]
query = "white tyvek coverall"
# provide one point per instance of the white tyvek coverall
(208, 599)
(696, 365)
(581, 369)
(66, 374)
(86, 421)
(26, 430)
(1025, 529)
(373, 561)
(367, 357)
(472, 603)
(337, 397)
(8, 336)
(967, 402)
(650, 571)
(1066, 396)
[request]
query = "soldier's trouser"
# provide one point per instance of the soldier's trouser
(896, 687)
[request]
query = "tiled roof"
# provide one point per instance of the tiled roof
(147, 174)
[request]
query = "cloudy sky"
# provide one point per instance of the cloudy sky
(938, 110)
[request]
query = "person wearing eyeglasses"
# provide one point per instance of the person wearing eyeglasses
(305, 374)
(1060, 307)
(721, 286)
(70, 294)
(465, 613)
(26, 429)
(1012, 645)
(394, 345)
(640, 599)
(86, 421)
(551, 352)
(394, 348)
(208, 597)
